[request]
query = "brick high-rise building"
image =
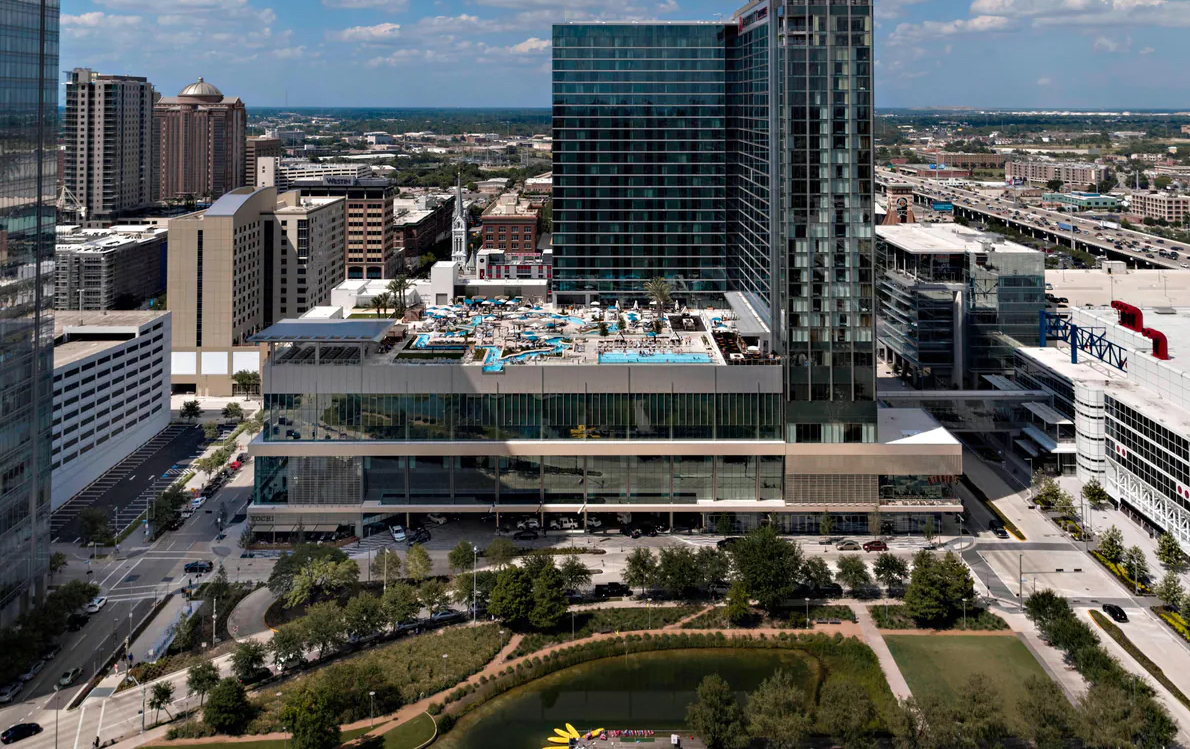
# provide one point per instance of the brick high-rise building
(372, 250)
(111, 161)
(256, 149)
(203, 142)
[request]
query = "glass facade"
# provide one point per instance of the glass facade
(519, 416)
(1006, 292)
(28, 155)
(639, 160)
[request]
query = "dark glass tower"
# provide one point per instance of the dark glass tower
(639, 160)
(28, 167)
(731, 157)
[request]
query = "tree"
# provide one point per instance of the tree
(247, 381)
(715, 715)
(677, 571)
(58, 563)
(640, 569)
(94, 526)
(1170, 590)
(1111, 545)
(1047, 717)
(247, 659)
(1045, 608)
(233, 412)
(288, 646)
(400, 603)
(462, 557)
(500, 553)
(535, 563)
(398, 288)
(1046, 491)
(386, 566)
(925, 598)
(512, 597)
(363, 615)
(979, 711)
(469, 585)
(1110, 716)
(1063, 502)
(210, 430)
(776, 712)
(228, 710)
(767, 566)
(1136, 563)
(322, 576)
(958, 584)
(658, 290)
(191, 410)
(311, 714)
(549, 600)
(289, 565)
(380, 303)
(1094, 494)
(202, 678)
(324, 626)
(433, 595)
(714, 566)
(418, 563)
(846, 711)
(826, 524)
(816, 573)
(890, 570)
(160, 697)
(1169, 552)
(853, 573)
(1054, 185)
(575, 574)
(739, 607)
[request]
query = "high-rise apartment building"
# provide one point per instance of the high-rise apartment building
(203, 136)
(372, 250)
(252, 258)
(256, 149)
(735, 160)
(29, 90)
(111, 158)
(108, 269)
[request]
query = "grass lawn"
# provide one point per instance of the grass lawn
(942, 664)
(345, 736)
(410, 734)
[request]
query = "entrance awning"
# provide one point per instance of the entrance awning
(324, 528)
(262, 528)
(1047, 414)
(1028, 447)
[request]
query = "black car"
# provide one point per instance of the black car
(611, 590)
(51, 652)
(629, 531)
(525, 535)
(75, 622)
(999, 531)
(1115, 612)
(418, 536)
(19, 731)
(727, 543)
(198, 568)
(259, 674)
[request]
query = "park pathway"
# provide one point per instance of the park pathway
(892, 672)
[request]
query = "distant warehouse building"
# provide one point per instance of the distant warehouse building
(108, 269)
(111, 392)
(1083, 201)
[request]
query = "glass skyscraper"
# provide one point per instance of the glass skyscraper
(731, 157)
(28, 167)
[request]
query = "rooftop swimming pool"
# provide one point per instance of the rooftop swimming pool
(633, 357)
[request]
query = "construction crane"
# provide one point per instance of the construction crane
(69, 205)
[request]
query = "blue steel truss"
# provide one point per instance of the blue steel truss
(1091, 340)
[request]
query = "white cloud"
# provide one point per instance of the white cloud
(392, 6)
(406, 56)
(381, 33)
(1147, 51)
(914, 32)
(1106, 13)
(892, 8)
(531, 45)
(97, 23)
(1105, 44)
(1045, 81)
(293, 53)
(174, 6)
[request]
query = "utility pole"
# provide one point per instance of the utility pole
(1020, 576)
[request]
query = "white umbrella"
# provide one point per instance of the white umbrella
(594, 304)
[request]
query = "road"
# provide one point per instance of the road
(125, 490)
(1045, 223)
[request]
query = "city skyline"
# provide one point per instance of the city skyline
(445, 53)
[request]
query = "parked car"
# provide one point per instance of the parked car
(848, 545)
(200, 567)
(398, 532)
(593, 522)
(1112, 610)
(528, 524)
(445, 616)
(419, 536)
(525, 535)
(9, 692)
(628, 530)
(875, 546)
(611, 590)
(259, 674)
(436, 519)
(999, 531)
(727, 543)
(96, 604)
(33, 671)
(75, 622)
(19, 731)
(70, 677)
(51, 652)
(563, 524)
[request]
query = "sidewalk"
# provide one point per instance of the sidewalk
(145, 646)
(892, 672)
(246, 620)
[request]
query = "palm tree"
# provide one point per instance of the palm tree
(397, 288)
(381, 303)
(659, 291)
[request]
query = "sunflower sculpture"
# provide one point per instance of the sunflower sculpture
(569, 735)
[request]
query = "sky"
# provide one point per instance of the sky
(1048, 54)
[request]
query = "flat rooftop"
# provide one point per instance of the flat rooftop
(945, 239)
(1158, 288)
(96, 331)
(904, 426)
(1056, 357)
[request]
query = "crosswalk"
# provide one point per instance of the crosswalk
(371, 544)
(121, 471)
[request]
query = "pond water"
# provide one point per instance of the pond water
(646, 691)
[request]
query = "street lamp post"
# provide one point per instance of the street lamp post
(444, 656)
(807, 600)
(372, 707)
(57, 709)
(474, 583)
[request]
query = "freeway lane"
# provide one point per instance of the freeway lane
(1002, 210)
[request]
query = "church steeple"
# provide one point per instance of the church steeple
(458, 229)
